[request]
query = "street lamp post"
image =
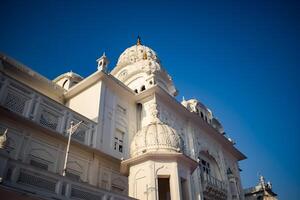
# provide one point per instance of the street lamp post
(71, 130)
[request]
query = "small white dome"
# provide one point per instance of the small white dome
(67, 80)
(136, 53)
(156, 136)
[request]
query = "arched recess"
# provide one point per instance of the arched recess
(42, 153)
(75, 166)
(209, 165)
(74, 170)
(136, 82)
(139, 184)
(41, 158)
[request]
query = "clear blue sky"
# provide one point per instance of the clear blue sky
(240, 58)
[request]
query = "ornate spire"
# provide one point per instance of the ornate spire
(262, 181)
(3, 140)
(139, 42)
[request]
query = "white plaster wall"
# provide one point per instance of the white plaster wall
(87, 102)
(111, 119)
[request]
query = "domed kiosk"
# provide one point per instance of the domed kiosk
(154, 137)
(158, 167)
(68, 80)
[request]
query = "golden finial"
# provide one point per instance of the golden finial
(145, 56)
(139, 41)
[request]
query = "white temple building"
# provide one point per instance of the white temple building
(136, 140)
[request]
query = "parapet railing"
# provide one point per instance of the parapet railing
(46, 112)
(44, 183)
(210, 181)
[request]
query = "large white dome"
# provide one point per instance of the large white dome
(135, 54)
(139, 68)
(156, 136)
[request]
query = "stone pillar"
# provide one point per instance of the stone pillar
(105, 197)
(68, 190)
(58, 187)
(15, 174)
(93, 171)
(152, 187)
(175, 183)
(232, 186)
(189, 177)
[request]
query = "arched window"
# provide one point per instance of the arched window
(202, 116)
(208, 165)
(64, 83)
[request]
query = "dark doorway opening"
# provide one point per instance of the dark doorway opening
(184, 189)
(164, 189)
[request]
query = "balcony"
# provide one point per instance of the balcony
(213, 188)
(47, 185)
(28, 103)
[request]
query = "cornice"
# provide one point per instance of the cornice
(161, 156)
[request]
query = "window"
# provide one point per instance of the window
(104, 184)
(139, 108)
(118, 141)
(205, 167)
(65, 83)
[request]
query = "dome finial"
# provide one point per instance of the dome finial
(138, 41)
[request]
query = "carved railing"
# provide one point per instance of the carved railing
(42, 110)
(213, 188)
(50, 185)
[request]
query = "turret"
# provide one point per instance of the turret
(102, 63)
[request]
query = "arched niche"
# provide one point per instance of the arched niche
(74, 165)
(139, 189)
(207, 160)
(42, 153)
